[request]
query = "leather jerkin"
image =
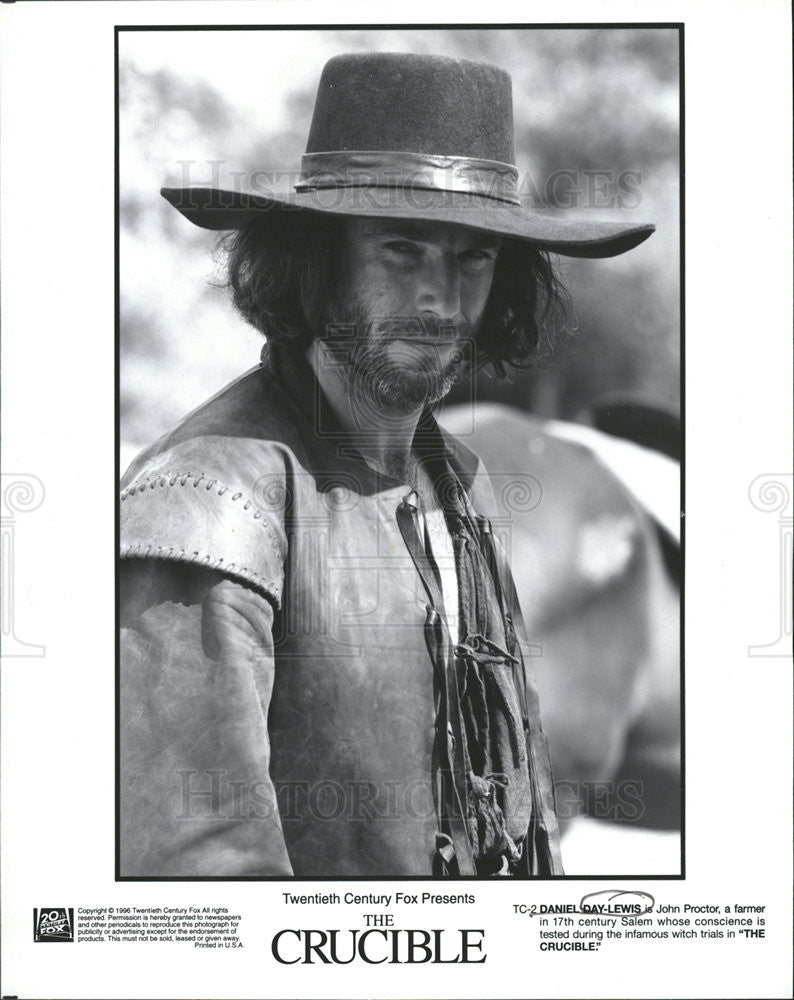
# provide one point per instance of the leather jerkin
(291, 701)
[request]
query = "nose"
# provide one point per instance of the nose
(439, 287)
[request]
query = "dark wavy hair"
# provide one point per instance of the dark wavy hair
(283, 266)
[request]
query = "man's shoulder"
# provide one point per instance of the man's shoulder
(200, 494)
(250, 418)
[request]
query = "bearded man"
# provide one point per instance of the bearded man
(323, 671)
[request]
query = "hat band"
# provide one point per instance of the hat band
(460, 174)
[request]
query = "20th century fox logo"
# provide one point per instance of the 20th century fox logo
(53, 923)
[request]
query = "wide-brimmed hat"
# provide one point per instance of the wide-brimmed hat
(413, 137)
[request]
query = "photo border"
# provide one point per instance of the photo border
(679, 26)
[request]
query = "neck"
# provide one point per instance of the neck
(383, 435)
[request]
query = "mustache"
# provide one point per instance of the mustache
(428, 329)
(347, 320)
(422, 329)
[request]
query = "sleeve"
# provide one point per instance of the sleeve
(196, 676)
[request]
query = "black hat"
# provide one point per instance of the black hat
(413, 137)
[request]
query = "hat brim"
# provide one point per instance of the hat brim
(219, 209)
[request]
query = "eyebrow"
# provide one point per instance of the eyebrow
(416, 231)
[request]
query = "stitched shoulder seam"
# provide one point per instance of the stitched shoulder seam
(166, 480)
(140, 550)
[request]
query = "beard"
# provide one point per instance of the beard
(395, 363)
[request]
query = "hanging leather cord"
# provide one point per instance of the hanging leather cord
(540, 850)
(454, 794)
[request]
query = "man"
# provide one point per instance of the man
(323, 669)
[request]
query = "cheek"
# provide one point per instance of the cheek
(474, 296)
(386, 291)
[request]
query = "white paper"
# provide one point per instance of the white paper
(59, 489)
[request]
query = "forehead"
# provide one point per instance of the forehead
(444, 234)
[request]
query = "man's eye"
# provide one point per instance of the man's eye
(402, 248)
(478, 257)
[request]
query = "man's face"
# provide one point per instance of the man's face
(413, 294)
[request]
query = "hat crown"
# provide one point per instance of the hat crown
(406, 136)
(413, 103)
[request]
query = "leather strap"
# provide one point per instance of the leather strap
(454, 794)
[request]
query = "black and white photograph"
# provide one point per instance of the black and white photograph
(396, 500)
(434, 513)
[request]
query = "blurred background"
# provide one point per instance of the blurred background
(596, 113)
